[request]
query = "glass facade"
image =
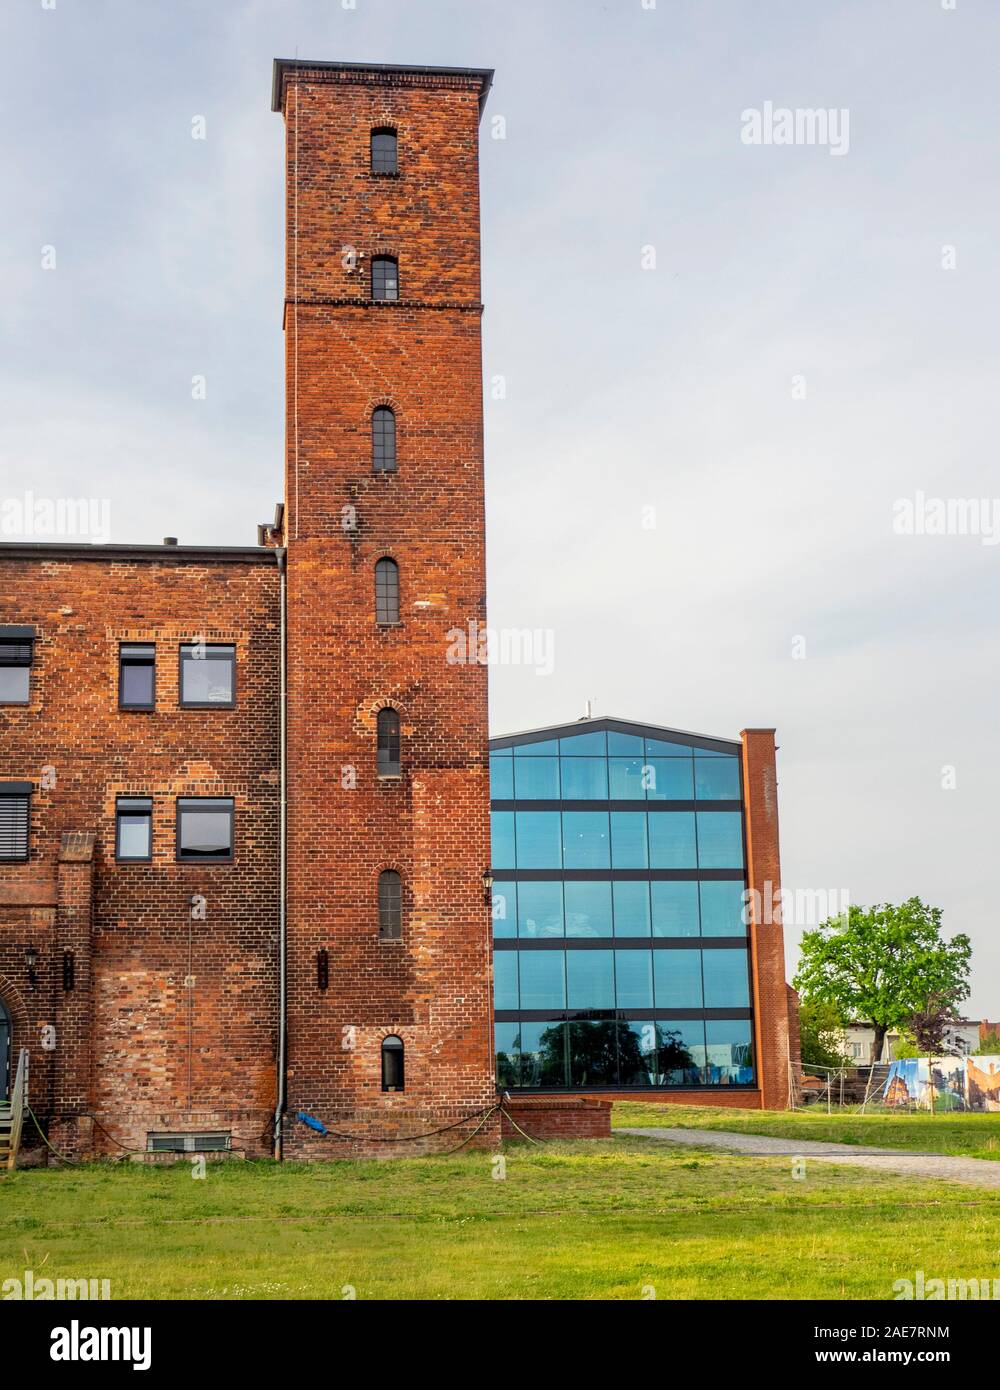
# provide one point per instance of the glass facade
(620, 947)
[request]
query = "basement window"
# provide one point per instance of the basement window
(207, 676)
(136, 675)
(205, 828)
(134, 829)
(17, 652)
(219, 1142)
(15, 822)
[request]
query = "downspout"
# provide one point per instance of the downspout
(279, 1111)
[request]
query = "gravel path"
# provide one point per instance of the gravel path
(982, 1172)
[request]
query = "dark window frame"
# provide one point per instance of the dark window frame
(21, 792)
(376, 159)
(387, 565)
(385, 457)
(205, 704)
(390, 905)
(123, 661)
(388, 740)
(379, 264)
(17, 652)
(210, 805)
(393, 1047)
(121, 803)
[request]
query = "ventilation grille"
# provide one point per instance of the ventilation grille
(188, 1143)
(14, 820)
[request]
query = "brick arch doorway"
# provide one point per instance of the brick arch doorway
(4, 1053)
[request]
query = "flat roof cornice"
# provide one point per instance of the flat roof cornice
(195, 554)
(602, 723)
(282, 66)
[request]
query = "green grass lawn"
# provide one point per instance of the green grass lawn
(576, 1220)
(972, 1136)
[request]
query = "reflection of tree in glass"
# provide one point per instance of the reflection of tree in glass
(507, 1071)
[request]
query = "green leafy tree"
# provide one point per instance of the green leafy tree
(989, 1047)
(884, 964)
(821, 1034)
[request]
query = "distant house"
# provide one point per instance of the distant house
(961, 1038)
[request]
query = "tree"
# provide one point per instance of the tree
(821, 1034)
(884, 964)
(930, 1025)
(988, 1047)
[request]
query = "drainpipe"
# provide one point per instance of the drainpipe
(279, 1112)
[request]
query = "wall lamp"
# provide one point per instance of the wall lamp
(487, 886)
(69, 970)
(322, 969)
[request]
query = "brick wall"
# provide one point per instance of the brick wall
(565, 1117)
(345, 356)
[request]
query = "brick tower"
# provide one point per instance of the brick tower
(388, 792)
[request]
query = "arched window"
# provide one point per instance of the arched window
(390, 905)
(383, 440)
(387, 755)
(392, 1064)
(384, 151)
(4, 1053)
(386, 591)
(385, 277)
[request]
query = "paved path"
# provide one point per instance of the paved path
(983, 1172)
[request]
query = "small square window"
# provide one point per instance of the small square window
(205, 828)
(15, 821)
(134, 829)
(136, 676)
(208, 676)
(17, 652)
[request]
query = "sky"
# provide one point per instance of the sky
(731, 386)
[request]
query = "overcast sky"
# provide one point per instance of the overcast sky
(693, 473)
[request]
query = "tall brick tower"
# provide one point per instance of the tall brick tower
(388, 794)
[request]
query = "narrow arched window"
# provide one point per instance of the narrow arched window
(387, 728)
(392, 1064)
(390, 905)
(386, 591)
(384, 152)
(385, 277)
(383, 440)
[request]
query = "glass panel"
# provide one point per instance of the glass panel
(508, 1047)
(671, 840)
(591, 745)
(637, 1053)
(717, 779)
(677, 977)
(543, 1054)
(722, 909)
(590, 979)
(137, 684)
(543, 979)
(659, 748)
(134, 836)
(540, 909)
(730, 1052)
(538, 840)
(502, 839)
(669, 779)
(505, 980)
(634, 979)
(207, 679)
(631, 901)
(628, 745)
(15, 685)
(585, 840)
(588, 909)
(628, 840)
(727, 983)
(585, 779)
(626, 779)
(675, 908)
(501, 778)
(545, 749)
(205, 833)
(593, 1054)
(536, 779)
(720, 839)
(504, 908)
(680, 1052)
